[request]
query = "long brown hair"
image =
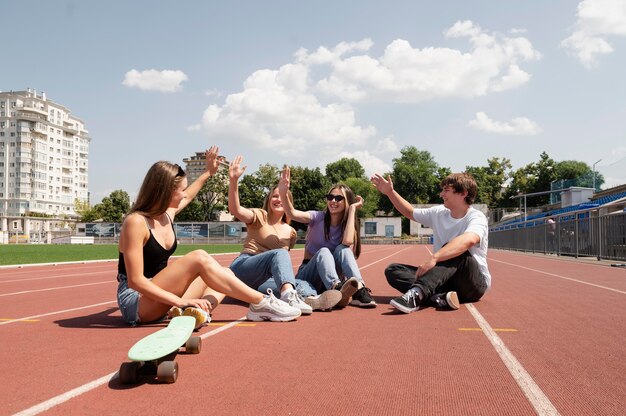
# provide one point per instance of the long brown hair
(157, 188)
(268, 198)
(349, 199)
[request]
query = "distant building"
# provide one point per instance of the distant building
(44, 153)
(195, 166)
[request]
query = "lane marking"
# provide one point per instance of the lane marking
(23, 320)
(223, 324)
(378, 261)
(536, 397)
(561, 277)
(55, 288)
(26, 318)
(60, 276)
(62, 398)
(494, 329)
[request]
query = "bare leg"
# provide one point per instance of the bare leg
(179, 276)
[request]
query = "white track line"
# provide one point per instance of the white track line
(56, 288)
(56, 313)
(559, 276)
(62, 398)
(536, 397)
(60, 276)
(541, 403)
(378, 261)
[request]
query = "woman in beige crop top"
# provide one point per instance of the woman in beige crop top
(265, 253)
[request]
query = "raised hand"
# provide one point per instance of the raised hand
(358, 204)
(384, 186)
(212, 161)
(285, 180)
(235, 170)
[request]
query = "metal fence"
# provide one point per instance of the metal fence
(582, 234)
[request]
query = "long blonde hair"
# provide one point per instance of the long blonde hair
(349, 199)
(268, 198)
(157, 188)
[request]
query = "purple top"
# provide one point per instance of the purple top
(315, 234)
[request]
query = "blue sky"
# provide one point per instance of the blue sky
(306, 83)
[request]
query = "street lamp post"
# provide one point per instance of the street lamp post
(594, 174)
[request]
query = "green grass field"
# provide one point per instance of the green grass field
(16, 254)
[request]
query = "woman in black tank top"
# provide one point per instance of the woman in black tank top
(148, 239)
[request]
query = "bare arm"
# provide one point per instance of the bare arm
(455, 247)
(283, 187)
(234, 207)
(385, 186)
(212, 163)
(350, 231)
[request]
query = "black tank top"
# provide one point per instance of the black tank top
(155, 257)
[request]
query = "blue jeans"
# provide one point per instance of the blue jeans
(324, 270)
(256, 269)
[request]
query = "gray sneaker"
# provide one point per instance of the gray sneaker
(324, 302)
(293, 299)
(272, 309)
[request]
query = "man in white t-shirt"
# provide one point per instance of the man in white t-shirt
(457, 270)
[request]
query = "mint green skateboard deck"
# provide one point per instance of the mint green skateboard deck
(149, 354)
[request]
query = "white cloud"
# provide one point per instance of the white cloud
(277, 111)
(517, 126)
(306, 110)
(410, 75)
(153, 80)
(371, 163)
(596, 20)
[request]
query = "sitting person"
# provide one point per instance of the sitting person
(332, 245)
(457, 270)
(149, 287)
(265, 251)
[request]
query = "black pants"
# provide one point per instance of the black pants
(459, 274)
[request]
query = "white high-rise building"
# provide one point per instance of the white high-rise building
(44, 153)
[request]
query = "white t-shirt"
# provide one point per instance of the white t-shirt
(445, 228)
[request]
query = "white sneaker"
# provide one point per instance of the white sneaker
(272, 309)
(201, 316)
(293, 299)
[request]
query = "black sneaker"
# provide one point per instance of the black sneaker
(362, 298)
(407, 303)
(449, 300)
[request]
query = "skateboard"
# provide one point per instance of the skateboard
(151, 354)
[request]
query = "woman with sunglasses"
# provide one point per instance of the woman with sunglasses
(149, 286)
(265, 253)
(332, 245)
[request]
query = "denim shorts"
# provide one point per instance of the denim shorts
(127, 300)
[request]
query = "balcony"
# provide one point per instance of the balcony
(33, 109)
(26, 115)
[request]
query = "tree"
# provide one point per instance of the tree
(213, 195)
(416, 176)
(371, 196)
(490, 179)
(343, 169)
(112, 208)
(254, 188)
(309, 188)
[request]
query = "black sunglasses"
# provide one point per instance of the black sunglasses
(337, 198)
(180, 172)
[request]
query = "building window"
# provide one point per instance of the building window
(370, 228)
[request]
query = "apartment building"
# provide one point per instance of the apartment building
(44, 153)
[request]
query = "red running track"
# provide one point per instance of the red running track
(548, 338)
